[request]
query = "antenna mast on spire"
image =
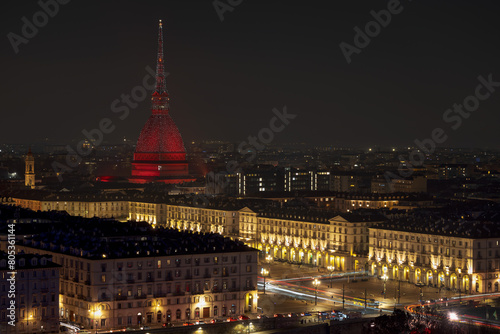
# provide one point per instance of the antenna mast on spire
(160, 95)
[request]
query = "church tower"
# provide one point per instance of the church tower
(29, 173)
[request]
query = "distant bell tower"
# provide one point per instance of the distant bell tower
(29, 173)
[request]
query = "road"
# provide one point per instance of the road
(345, 289)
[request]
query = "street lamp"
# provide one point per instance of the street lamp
(385, 280)
(316, 283)
(264, 273)
(331, 269)
(95, 313)
(157, 303)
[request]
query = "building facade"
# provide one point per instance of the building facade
(309, 238)
(35, 291)
(458, 255)
(29, 171)
(143, 276)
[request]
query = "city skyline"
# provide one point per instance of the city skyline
(226, 77)
(232, 166)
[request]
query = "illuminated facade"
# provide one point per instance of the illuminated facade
(29, 172)
(160, 155)
(86, 206)
(309, 238)
(187, 218)
(462, 255)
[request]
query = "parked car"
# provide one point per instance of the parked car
(188, 324)
(168, 324)
(243, 317)
(145, 327)
(420, 284)
(279, 315)
(200, 322)
(292, 315)
(231, 319)
(306, 314)
(213, 321)
(262, 316)
(339, 316)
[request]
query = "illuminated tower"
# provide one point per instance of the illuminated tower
(160, 155)
(29, 173)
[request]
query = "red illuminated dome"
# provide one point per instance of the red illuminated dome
(160, 134)
(160, 155)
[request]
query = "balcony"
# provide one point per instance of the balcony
(178, 293)
(197, 292)
(140, 296)
(130, 281)
(150, 279)
(120, 297)
(160, 294)
(104, 298)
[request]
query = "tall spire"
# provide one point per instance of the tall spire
(160, 95)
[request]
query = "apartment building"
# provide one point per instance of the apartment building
(117, 275)
(314, 237)
(455, 254)
(213, 218)
(103, 205)
(35, 292)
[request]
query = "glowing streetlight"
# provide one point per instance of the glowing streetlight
(96, 312)
(264, 273)
(385, 280)
(315, 283)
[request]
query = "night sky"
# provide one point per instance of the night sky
(227, 76)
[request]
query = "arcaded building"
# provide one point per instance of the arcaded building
(449, 253)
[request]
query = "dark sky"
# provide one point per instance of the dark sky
(226, 77)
